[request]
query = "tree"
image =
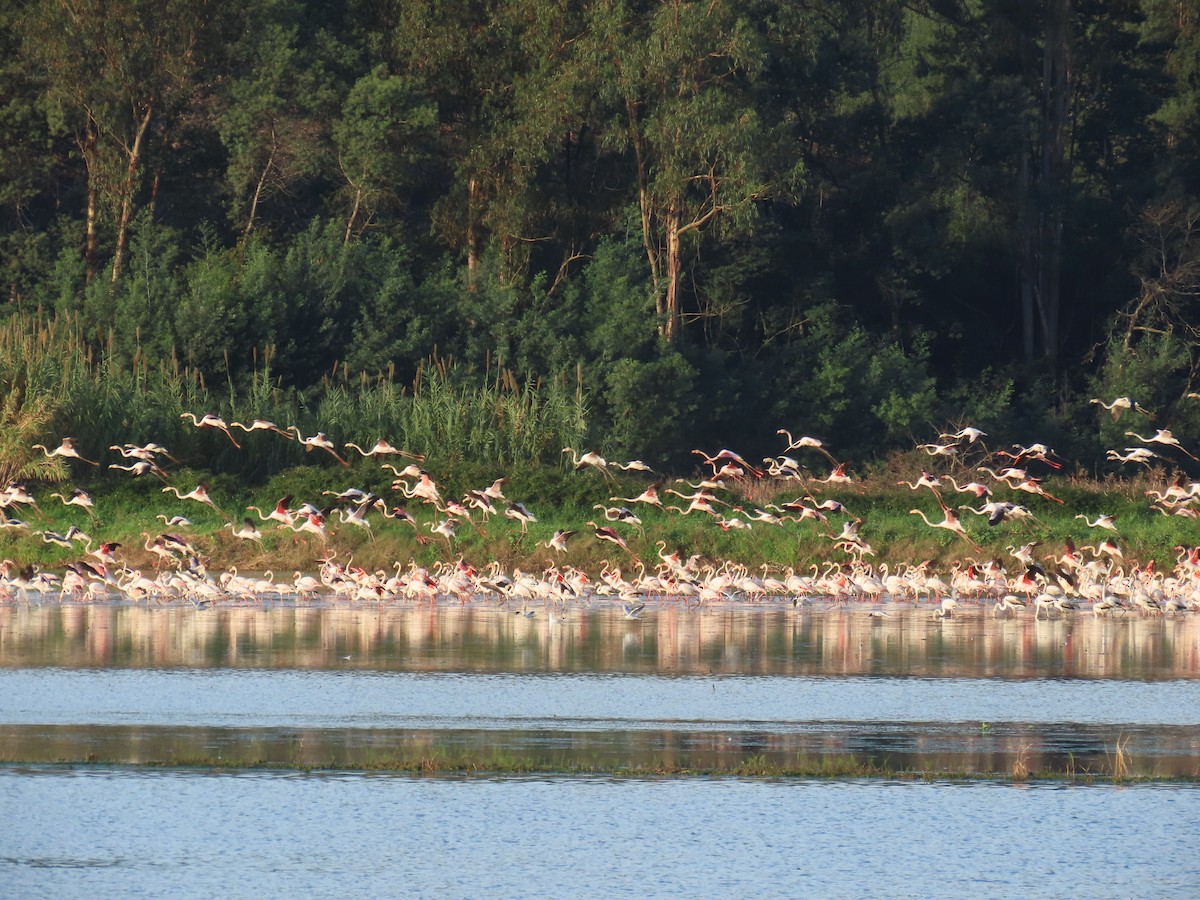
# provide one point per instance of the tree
(704, 144)
(114, 69)
(274, 111)
(384, 139)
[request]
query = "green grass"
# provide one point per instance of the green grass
(560, 499)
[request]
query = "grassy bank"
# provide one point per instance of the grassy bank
(134, 510)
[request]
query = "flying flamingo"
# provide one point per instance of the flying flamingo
(521, 514)
(607, 533)
(970, 434)
(732, 459)
(249, 532)
(949, 522)
(590, 458)
(79, 497)
(805, 441)
(1102, 521)
(66, 449)
(1162, 436)
(1118, 406)
(400, 514)
(924, 480)
(649, 495)
(383, 448)
(558, 541)
(319, 441)
(212, 421)
(262, 425)
(199, 493)
(140, 467)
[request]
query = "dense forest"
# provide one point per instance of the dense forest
(685, 223)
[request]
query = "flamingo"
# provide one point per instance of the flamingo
(140, 467)
(1118, 406)
(805, 441)
(1102, 521)
(649, 495)
(280, 513)
(924, 480)
(947, 450)
(1034, 486)
(314, 523)
(66, 449)
(79, 497)
(1162, 436)
(731, 458)
(558, 541)
(949, 522)
(318, 441)
(519, 512)
(249, 532)
(607, 533)
(970, 434)
(199, 493)
(1138, 455)
(445, 528)
(383, 448)
(212, 421)
(971, 487)
(589, 459)
(402, 515)
(262, 425)
(634, 465)
(619, 514)
(358, 515)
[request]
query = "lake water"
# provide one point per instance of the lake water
(119, 724)
(99, 832)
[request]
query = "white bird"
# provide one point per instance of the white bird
(1102, 521)
(211, 421)
(65, 449)
(1118, 406)
(1162, 436)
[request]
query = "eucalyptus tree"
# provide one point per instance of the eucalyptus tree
(117, 75)
(384, 139)
(705, 140)
(273, 109)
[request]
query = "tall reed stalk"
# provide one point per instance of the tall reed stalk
(54, 382)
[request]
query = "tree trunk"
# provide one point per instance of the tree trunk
(258, 189)
(90, 250)
(1052, 177)
(1027, 268)
(472, 233)
(353, 215)
(127, 190)
(644, 207)
(674, 269)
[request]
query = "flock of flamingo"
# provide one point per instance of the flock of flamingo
(1096, 577)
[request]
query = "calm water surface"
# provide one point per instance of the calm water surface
(713, 690)
(170, 833)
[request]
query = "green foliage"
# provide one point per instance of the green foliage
(675, 224)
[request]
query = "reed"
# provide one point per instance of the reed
(1119, 761)
(56, 380)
